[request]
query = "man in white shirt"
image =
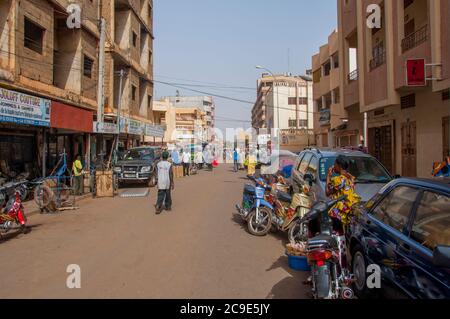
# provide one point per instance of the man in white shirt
(186, 158)
(165, 184)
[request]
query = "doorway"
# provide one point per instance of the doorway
(409, 150)
(380, 145)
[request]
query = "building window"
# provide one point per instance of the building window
(336, 61)
(408, 101)
(303, 123)
(33, 36)
(446, 95)
(326, 68)
(134, 39)
(303, 100)
(291, 101)
(133, 92)
(87, 66)
(292, 123)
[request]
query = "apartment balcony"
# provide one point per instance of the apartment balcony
(416, 45)
(415, 39)
(378, 60)
(351, 89)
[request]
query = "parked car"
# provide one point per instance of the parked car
(138, 165)
(405, 230)
(312, 167)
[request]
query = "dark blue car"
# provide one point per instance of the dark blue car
(405, 230)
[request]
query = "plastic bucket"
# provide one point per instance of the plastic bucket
(298, 263)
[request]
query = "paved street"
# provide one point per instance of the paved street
(199, 250)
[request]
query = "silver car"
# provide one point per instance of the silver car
(312, 167)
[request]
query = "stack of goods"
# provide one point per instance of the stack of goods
(297, 249)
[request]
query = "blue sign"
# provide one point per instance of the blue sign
(24, 109)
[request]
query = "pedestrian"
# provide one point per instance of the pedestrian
(175, 157)
(199, 159)
(241, 159)
(77, 171)
(186, 159)
(235, 159)
(165, 184)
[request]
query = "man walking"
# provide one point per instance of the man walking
(235, 159)
(77, 170)
(186, 162)
(165, 184)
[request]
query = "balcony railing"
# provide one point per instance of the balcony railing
(353, 76)
(415, 39)
(378, 60)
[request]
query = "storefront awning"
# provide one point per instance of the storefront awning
(64, 116)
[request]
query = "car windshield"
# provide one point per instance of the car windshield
(139, 154)
(365, 169)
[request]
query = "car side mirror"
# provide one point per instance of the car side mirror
(309, 178)
(441, 257)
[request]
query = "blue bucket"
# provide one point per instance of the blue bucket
(298, 263)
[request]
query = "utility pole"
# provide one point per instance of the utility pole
(101, 72)
(119, 109)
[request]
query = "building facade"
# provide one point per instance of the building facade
(205, 104)
(407, 127)
(49, 79)
(284, 102)
(332, 126)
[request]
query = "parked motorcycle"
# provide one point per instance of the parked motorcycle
(255, 210)
(13, 214)
(326, 252)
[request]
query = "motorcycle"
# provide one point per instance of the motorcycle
(13, 214)
(284, 209)
(255, 210)
(326, 253)
(287, 210)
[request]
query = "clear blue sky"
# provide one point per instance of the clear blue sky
(219, 42)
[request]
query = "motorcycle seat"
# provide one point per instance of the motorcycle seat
(322, 241)
(284, 197)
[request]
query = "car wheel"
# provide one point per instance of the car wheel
(359, 270)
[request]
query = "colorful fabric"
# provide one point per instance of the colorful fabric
(343, 185)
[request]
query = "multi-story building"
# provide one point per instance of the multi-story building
(331, 122)
(190, 125)
(284, 102)
(406, 127)
(205, 104)
(49, 78)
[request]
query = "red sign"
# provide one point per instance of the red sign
(70, 117)
(415, 72)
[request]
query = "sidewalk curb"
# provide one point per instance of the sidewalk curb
(37, 211)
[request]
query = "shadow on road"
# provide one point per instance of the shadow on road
(17, 232)
(291, 287)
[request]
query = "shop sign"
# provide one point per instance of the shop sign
(415, 72)
(105, 128)
(24, 109)
(154, 130)
(135, 127)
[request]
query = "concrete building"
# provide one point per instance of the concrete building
(191, 125)
(204, 103)
(49, 76)
(284, 102)
(331, 122)
(407, 127)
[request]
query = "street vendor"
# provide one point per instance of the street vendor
(341, 183)
(77, 172)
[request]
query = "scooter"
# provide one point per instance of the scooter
(326, 252)
(287, 211)
(13, 214)
(255, 210)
